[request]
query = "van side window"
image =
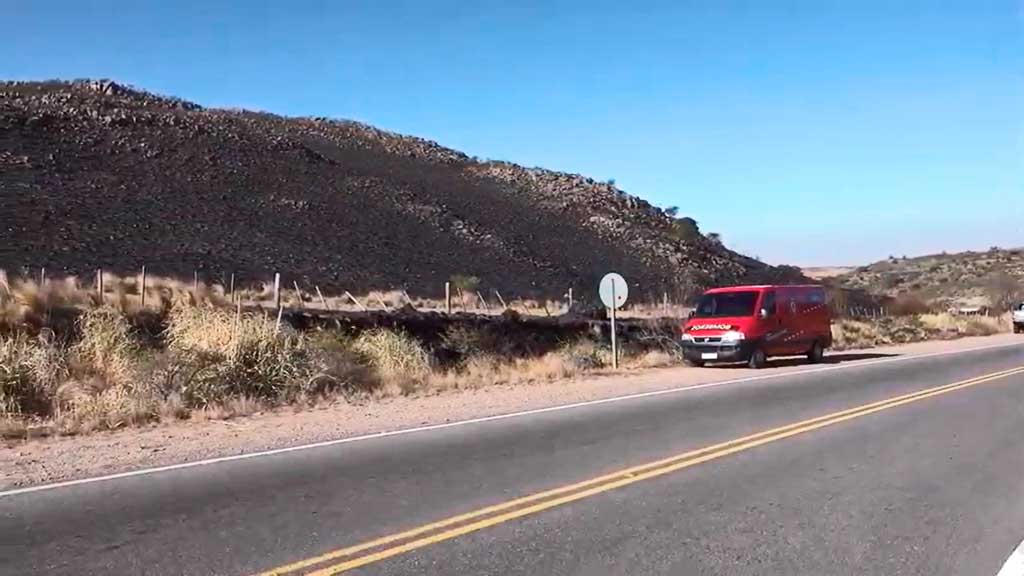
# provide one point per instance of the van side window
(768, 303)
(816, 296)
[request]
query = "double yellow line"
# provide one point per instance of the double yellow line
(455, 526)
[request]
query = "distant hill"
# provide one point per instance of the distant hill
(96, 174)
(955, 279)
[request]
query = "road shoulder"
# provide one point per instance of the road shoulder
(41, 461)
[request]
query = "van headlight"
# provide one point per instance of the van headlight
(733, 336)
(686, 337)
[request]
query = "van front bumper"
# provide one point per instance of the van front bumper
(718, 351)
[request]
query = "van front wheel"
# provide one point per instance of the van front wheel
(816, 354)
(758, 359)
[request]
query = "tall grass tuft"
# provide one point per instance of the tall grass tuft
(398, 358)
(30, 371)
(106, 349)
(103, 388)
(221, 354)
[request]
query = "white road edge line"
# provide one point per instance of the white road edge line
(1014, 565)
(402, 431)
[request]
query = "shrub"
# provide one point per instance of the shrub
(465, 282)
(221, 355)
(655, 359)
(909, 304)
(106, 348)
(585, 355)
(29, 374)
(92, 405)
(684, 229)
(1004, 291)
(468, 341)
(962, 325)
(396, 356)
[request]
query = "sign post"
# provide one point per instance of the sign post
(613, 291)
(615, 348)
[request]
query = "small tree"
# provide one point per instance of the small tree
(715, 238)
(1004, 291)
(672, 211)
(464, 283)
(685, 229)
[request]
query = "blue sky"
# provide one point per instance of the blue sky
(804, 132)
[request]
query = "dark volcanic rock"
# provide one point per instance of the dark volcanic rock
(96, 174)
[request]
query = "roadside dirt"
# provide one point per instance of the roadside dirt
(45, 460)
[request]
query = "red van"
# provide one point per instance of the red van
(750, 323)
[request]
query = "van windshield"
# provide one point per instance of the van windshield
(726, 304)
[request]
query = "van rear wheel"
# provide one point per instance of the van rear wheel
(758, 359)
(816, 353)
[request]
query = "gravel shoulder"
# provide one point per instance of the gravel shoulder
(45, 460)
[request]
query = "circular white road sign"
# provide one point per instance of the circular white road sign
(613, 283)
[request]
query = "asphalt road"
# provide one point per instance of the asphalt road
(930, 484)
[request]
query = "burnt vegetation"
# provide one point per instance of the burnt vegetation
(96, 174)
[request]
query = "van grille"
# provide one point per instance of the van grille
(707, 339)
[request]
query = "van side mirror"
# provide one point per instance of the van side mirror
(691, 313)
(762, 313)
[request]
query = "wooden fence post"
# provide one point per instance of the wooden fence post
(447, 297)
(298, 292)
(99, 283)
(382, 303)
(231, 288)
(195, 284)
(142, 287)
(570, 298)
(277, 290)
(664, 302)
(322, 299)
(482, 301)
(42, 277)
(353, 298)
(504, 306)
(237, 328)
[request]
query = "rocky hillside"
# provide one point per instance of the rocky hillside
(95, 174)
(961, 279)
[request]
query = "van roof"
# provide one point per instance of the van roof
(760, 287)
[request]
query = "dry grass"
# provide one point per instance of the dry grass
(654, 359)
(198, 358)
(27, 377)
(966, 325)
(850, 334)
(91, 385)
(228, 409)
(398, 359)
(27, 303)
(103, 389)
(483, 369)
(213, 362)
(220, 355)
